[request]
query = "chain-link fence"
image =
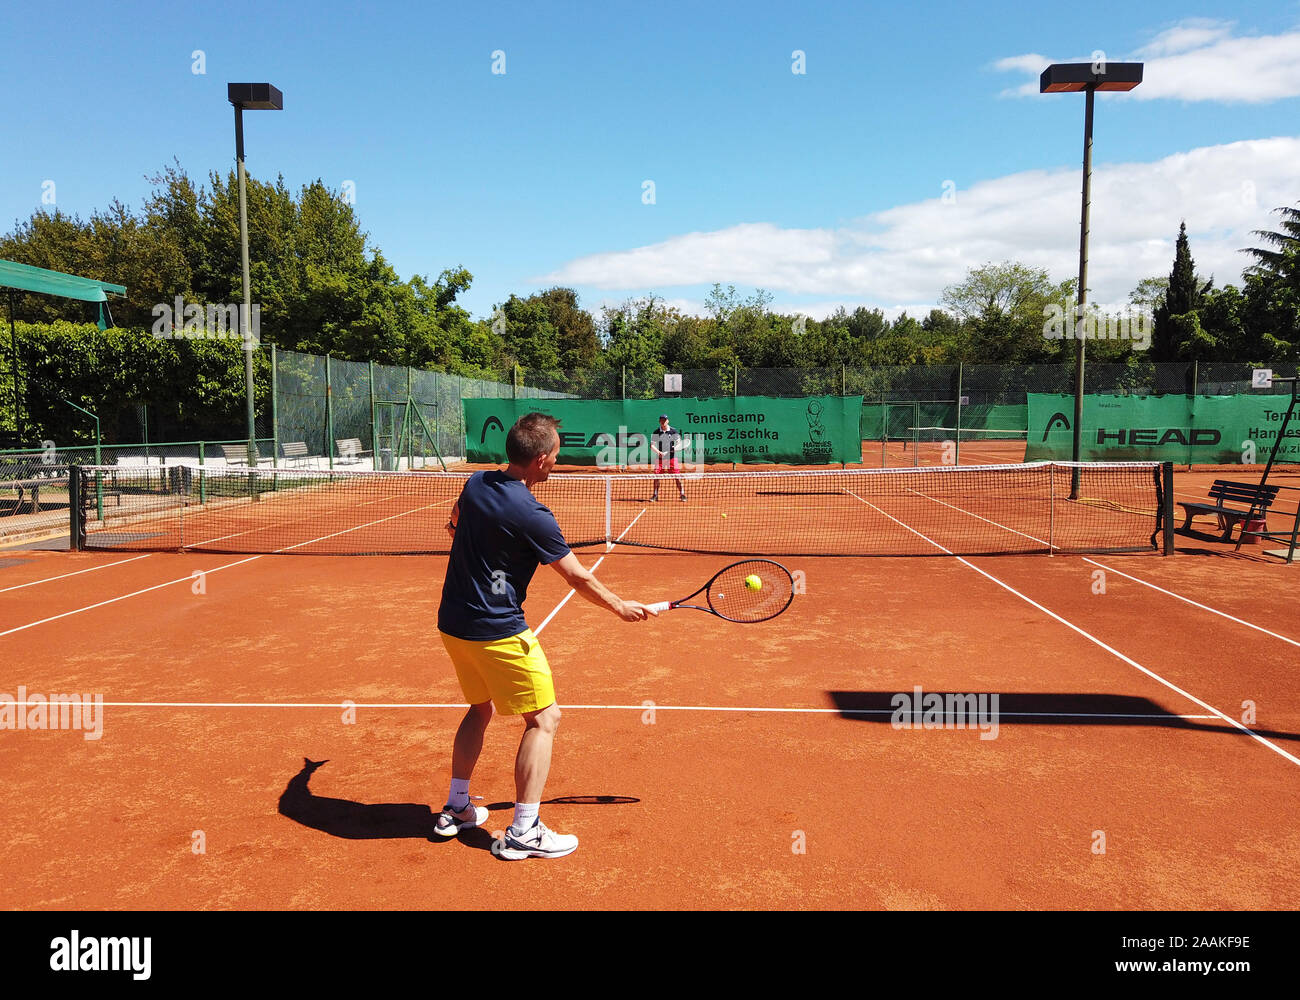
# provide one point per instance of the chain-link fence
(328, 411)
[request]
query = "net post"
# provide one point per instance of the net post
(1167, 505)
(76, 511)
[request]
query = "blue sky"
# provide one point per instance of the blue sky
(823, 187)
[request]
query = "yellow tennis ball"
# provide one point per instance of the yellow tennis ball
(724, 515)
(752, 582)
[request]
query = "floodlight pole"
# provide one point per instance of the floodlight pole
(257, 97)
(1060, 78)
(245, 336)
(1080, 327)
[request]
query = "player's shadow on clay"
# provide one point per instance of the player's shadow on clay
(391, 820)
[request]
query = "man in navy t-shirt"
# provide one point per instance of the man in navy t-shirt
(501, 533)
(665, 441)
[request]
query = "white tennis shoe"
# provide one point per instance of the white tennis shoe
(537, 842)
(450, 822)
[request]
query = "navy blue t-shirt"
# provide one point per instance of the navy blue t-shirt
(502, 535)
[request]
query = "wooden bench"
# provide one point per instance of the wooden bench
(32, 487)
(295, 451)
(237, 454)
(349, 451)
(28, 477)
(98, 485)
(1221, 493)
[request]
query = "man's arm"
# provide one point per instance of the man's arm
(453, 519)
(585, 583)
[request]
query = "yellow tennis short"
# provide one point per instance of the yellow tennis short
(512, 672)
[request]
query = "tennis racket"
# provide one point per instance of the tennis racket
(731, 596)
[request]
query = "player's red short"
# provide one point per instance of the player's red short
(672, 465)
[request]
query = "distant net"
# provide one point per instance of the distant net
(963, 510)
(927, 435)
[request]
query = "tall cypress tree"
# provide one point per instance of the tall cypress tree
(1183, 295)
(1181, 298)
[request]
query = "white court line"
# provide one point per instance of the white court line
(556, 610)
(1109, 569)
(962, 510)
(547, 620)
(64, 576)
(189, 579)
(738, 709)
(1203, 607)
(1092, 638)
(114, 600)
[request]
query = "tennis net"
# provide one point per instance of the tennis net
(959, 510)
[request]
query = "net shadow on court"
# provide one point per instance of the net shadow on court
(1022, 708)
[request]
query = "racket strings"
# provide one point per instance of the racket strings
(732, 595)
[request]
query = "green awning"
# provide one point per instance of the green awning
(69, 286)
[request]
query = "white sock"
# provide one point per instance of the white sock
(459, 797)
(525, 815)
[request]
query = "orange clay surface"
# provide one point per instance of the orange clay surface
(703, 764)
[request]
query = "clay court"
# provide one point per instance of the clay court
(1143, 753)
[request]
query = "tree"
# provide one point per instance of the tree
(1003, 309)
(1281, 260)
(1148, 293)
(1172, 337)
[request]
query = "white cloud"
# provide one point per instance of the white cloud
(1191, 33)
(903, 257)
(1197, 60)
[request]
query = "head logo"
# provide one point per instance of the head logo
(489, 422)
(1059, 419)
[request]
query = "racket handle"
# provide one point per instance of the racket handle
(660, 607)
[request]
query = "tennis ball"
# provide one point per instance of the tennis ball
(752, 582)
(724, 515)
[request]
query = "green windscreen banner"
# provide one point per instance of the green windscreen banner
(813, 430)
(1193, 430)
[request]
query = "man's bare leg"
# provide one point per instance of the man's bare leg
(469, 740)
(533, 762)
(458, 814)
(528, 837)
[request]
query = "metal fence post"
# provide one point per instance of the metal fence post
(956, 458)
(329, 413)
(374, 429)
(275, 413)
